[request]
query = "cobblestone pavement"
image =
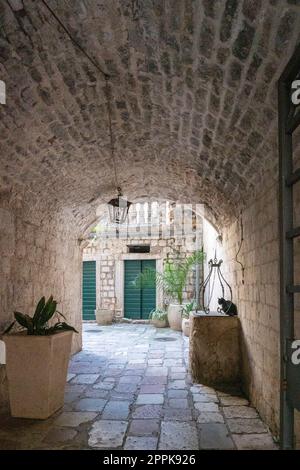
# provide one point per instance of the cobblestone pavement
(129, 388)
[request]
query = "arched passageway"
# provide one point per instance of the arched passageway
(194, 114)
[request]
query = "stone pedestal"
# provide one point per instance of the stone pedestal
(215, 356)
(104, 316)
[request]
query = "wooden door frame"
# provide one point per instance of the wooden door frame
(120, 277)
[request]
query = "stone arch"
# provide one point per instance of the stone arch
(195, 119)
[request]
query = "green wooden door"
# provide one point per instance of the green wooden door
(138, 302)
(89, 290)
(148, 295)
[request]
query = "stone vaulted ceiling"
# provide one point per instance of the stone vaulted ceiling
(194, 100)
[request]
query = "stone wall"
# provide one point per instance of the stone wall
(193, 83)
(258, 300)
(36, 260)
(108, 252)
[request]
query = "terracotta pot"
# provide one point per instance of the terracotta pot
(37, 368)
(159, 323)
(174, 316)
(185, 326)
(104, 317)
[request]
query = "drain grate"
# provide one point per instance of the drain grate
(164, 338)
(93, 330)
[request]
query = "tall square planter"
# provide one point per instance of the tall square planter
(37, 368)
(215, 356)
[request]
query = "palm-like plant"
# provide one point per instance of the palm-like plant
(188, 308)
(38, 324)
(173, 279)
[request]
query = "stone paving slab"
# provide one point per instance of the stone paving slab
(204, 398)
(96, 393)
(107, 434)
(154, 380)
(246, 426)
(152, 389)
(116, 410)
(60, 435)
(105, 385)
(200, 406)
(85, 378)
(254, 442)
(173, 414)
(141, 443)
(177, 384)
(128, 391)
(173, 393)
(70, 377)
(178, 403)
(210, 417)
(215, 436)
(233, 401)
(75, 418)
(142, 427)
(240, 412)
(150, 399)
(90, 404)
(147, 412)
(178, 436)
(130, 379)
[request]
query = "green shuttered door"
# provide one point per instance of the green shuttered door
(138, 302)
(148, 295)
(89, 290)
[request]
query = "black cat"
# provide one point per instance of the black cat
(227, 307)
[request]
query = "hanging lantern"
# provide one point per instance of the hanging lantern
(118, 208)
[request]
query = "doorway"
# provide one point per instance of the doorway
(138, 301)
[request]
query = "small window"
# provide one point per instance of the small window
(139, 248)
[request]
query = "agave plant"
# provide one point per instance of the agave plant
(38, 324)
(158, 314)
(188, 308)
(173, 278)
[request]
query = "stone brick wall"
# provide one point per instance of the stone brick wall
(36, 260)
(258, 300)
(109, 251)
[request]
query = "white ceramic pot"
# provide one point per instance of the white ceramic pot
(37, 368)
(159, 323)
(185, 326)
(174, 316)
(104, 316)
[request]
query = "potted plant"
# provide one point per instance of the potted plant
(186, 310)
(159, 318)
(173, 280)
(37, 357)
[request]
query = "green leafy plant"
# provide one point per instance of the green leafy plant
(173, 278)
(38, 324)
(158, 314)
(188, 308)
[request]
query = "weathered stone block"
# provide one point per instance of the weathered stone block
(214, 349)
